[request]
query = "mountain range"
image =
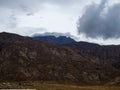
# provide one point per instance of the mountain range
(29, 59)
(54, 40)
(109, 53)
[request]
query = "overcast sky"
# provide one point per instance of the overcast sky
(88, 20)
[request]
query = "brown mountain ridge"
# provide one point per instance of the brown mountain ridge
(25, 59)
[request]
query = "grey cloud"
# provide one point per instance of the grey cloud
(12, 21)
(32, 6)
(26, 31)
(8, 20)
(14, 10)
(64, 2)
(94, 23)
(56, 34)
(29, 30)
(25, 6)
(17, 4)
(32, 3)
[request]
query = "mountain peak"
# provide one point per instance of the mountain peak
(55, 40)
(11, 37)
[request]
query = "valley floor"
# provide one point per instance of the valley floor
(44, 86)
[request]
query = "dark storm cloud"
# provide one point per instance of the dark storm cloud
(95, 23)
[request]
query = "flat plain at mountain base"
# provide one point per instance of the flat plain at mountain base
(45, 86)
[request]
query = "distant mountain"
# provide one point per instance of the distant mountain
(110, 53)
(54, 40)
(26, 59)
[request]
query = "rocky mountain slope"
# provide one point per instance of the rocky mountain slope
(26, 59)
(109, 53)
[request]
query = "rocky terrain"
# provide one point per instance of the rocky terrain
(108, 53)
(27, 59)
